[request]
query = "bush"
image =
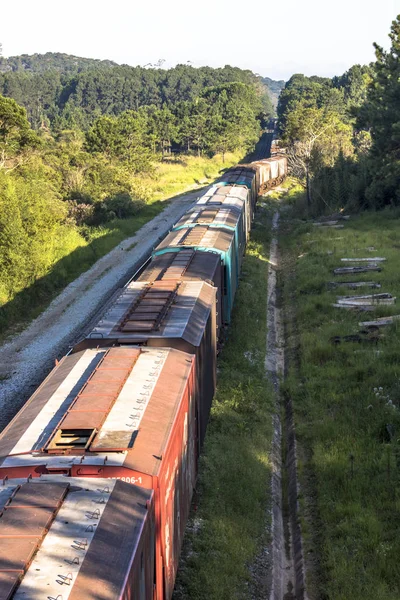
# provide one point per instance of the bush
(120, 206)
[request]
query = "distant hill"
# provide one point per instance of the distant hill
(274, 88)
(65, 91)
(52, 61)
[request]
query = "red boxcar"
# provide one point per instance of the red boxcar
(127, 413)
(76, 539)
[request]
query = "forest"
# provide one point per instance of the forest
(82, 145)
(343, 134)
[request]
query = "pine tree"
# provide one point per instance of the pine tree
(383, 116)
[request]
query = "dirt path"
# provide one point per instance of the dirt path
(28, 357)
(288, 580)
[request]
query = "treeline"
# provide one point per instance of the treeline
(63, 92)
(58, 186)
(342, 134)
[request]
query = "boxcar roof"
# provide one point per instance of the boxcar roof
(167, 309)
(47, 522)
(199, 237)
(120, 401)
(238, 177)
(224, 195)
(191, 265)
(214, 216)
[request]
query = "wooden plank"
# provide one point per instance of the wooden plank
(381, 322)
(353, 270)
(372, 259)
(368, 299)
(353, 285)
(362, 307)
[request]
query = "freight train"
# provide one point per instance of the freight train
(99, 466)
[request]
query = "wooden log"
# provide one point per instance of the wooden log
(353, 285)
(367, 299)
(325, 223)
(375, 259)
(381, 322)
(353, 270)
(360, 307)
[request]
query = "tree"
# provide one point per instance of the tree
(16, 135)
(382, 115)
(315, 137)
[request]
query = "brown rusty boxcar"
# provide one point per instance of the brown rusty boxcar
(189, 265)
(121, 413)
(174, 313)
(277, 166)
(76, 539)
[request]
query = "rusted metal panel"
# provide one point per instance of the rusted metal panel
(8, 583)
(151, 307)
(25, 522)
(223, 217)
(246, 175)
(74, 558)
(49, 497)
(236, 198)
(190, 265)
(127, 527)
(89, 409)
(181, 319)
(26, 515)
(16, 553)
(215, 240)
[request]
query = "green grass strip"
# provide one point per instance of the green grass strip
(346, 400)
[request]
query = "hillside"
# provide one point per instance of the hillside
(274, 89)
(68, 90)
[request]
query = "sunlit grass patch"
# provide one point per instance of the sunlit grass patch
(180, 173)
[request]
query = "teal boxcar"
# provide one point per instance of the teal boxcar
(243, 176)
(208, 239)
(236, 197)
(222, 217)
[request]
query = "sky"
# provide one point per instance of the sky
(273, 39)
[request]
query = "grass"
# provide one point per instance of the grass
(225, 532)
(346, 405)
(78, 250)
(180, 173)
